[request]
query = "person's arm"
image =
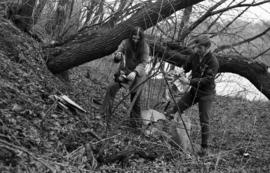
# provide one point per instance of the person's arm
(210, 72)
(140, 68)
(120, 51)
(187, 66)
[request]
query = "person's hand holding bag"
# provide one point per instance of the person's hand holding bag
(131, 76)
(117, 57)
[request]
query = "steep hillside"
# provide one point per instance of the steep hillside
(25, 87)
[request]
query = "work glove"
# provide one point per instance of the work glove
(117, 57)
(122, 76)
(131, 76)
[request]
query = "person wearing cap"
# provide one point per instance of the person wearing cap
(204, 67)
(133, 55)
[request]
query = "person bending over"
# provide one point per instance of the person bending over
(133, 55)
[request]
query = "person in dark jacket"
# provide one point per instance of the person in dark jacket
(133, 55)
(204, 66)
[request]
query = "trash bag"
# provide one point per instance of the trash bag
(155, 123)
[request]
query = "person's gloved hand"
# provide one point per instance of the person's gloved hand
(122, 76)
(131, 76)
(118, 57)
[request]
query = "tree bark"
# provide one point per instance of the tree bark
(86, 48)
(255, 72)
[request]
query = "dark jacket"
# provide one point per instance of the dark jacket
(134, 61)
(203, 74)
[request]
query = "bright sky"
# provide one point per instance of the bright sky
(256, 12)
(262, 11)
(253, 13)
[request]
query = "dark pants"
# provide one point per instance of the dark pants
(135, 114)
(205, 103)
(109, 99)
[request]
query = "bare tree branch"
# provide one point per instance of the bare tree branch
(90, 11)
(262, 53)
(223, 47)
(201, 19)
(123, 10)
(239, 5)
(183, 25)
(232, 21)
(20, 13)
(164, 32)
(37, 11)
(99, 13)
(215, 21)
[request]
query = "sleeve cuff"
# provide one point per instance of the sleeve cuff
(194, 82)
(137, 74)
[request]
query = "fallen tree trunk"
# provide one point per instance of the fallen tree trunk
(255, 72)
